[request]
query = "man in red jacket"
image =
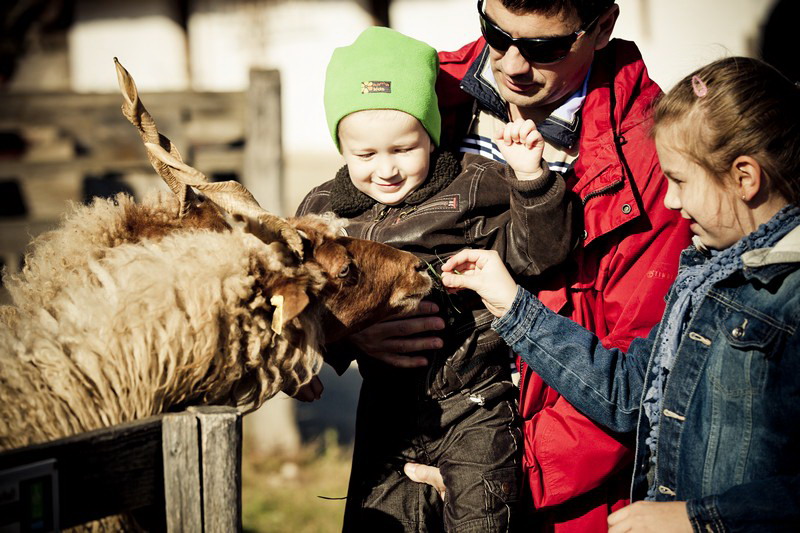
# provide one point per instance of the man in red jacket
(554, 61)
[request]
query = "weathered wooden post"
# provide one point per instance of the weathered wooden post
(182, 484)
(263, 159)
(202, 469)
(221, 445)
(273, 427)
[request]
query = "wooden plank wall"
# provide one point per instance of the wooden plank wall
(56, 147)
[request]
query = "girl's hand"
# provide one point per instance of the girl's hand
(644, 517)
(483, 272)
(521, 145)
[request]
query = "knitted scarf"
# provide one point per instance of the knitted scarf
(690, 288)
(348, 202)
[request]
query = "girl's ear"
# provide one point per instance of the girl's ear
(747, 175)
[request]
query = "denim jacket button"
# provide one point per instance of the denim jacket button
(666, 490)
(738, 332)
(505, 487)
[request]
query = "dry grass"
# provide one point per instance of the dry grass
(287, 494)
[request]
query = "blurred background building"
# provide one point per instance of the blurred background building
(63, 139)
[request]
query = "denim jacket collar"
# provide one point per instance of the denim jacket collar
(787, 250)
(766, 264)
(763, 264)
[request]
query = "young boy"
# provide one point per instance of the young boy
(458, 413)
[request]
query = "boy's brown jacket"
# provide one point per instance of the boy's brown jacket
(474, 203)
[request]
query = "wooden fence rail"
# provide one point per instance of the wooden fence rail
(174, 472)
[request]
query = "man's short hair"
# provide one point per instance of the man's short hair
(587, 10)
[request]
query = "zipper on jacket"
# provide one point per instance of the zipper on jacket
(382, 214)
(375, 221)
(608, 189)
(450, 203)
(404, 214)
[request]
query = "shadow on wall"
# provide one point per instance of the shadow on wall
(779, 40)
(336, 409)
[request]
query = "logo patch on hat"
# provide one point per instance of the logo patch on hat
(376, 87)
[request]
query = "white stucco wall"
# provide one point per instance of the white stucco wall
(145, 35)
(444, 24)
(678, 36)
(227, 38)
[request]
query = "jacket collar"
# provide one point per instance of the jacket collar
(766, 264)
(618, 99)
(482, 89)
(763, 264)
(787, 250)
(560, 128)
(347, 201)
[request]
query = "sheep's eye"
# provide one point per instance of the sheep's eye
(344, 271)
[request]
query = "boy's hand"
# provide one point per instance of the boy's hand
(310, 391)
(483, 272)
(521, 145)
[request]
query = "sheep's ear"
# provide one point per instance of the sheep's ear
(288, 301)
(268, 228)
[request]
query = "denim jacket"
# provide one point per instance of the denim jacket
(729, 442)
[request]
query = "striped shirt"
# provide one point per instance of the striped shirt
(567, 117)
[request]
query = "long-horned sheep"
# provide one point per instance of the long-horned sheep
(199, 297)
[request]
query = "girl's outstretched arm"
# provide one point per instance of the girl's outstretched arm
(604, 384)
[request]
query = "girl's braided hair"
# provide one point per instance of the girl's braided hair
(738, 106)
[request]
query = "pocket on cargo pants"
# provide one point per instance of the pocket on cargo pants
(487, 505)
(480, 464)
(502, 496)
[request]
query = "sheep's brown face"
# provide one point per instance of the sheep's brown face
(367, 281)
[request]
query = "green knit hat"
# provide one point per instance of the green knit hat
(383, 69)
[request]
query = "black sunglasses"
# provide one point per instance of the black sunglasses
(540, 50)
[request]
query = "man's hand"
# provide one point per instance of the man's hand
(387, 341)
(483, 272)
(310, 391)
(426, 474)
(645, 517)
(521, 145)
